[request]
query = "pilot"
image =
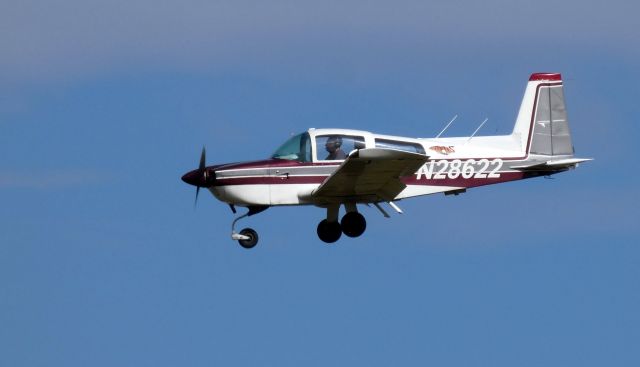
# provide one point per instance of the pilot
(332, 146)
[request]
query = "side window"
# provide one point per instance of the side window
(400, 145)
(337, 147)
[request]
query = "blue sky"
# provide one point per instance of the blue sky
(104, 261)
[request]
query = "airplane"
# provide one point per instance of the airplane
(334, 168)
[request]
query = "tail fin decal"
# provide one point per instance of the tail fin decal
(542, 123)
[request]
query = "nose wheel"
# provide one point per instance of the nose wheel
(247, 238)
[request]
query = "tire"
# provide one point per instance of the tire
(353, 224)
(253, 238)
(329, 232)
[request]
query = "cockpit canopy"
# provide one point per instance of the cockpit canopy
(334, 145)
(329, 147)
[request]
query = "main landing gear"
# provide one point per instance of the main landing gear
(352, 224)
(247, 238)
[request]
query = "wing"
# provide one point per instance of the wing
(369, 175)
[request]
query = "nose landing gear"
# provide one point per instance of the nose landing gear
(247, 238)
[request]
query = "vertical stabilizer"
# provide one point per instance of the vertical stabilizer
(542, 125)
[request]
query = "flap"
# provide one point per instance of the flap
(370, 175)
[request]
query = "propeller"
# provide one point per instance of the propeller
(199, 177)
(201, 168)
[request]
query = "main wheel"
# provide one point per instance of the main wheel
(353, 224)
(329, 232)
(253, 238)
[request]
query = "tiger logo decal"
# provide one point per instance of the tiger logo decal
(443, 149)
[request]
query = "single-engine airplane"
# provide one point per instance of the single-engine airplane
(330, 168)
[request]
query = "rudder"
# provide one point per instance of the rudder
(542, 125)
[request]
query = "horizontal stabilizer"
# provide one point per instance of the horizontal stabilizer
(557, 164)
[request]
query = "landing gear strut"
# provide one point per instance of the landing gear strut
(247, 238)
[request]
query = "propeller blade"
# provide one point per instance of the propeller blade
(203, 158)
(196, 201)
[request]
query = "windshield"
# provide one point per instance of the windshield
(298, 148)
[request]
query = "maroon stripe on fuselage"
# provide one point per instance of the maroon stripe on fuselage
(407, 180)
(463, 182)
(273, 180)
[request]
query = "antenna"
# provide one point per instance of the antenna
(474, 133)
(445, 128)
